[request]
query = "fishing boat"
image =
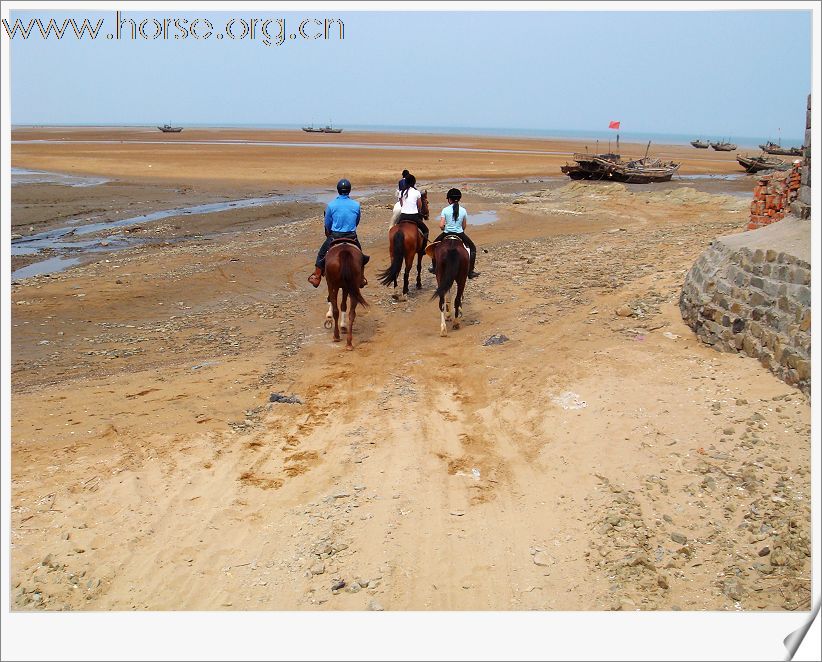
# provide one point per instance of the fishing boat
(311, 129)
(700, 144)
(775, 148)
(759, 163)
(588, 166)
(167, 128)
(330, 129)
(723, 146)
(610, 167)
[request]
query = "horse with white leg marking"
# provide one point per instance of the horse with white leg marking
(452, 259)
(343, 271)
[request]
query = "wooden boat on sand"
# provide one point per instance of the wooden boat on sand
(762, 162)
(775, 148)
(723, 146)
(610, 167)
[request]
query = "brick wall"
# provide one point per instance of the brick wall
(773, 195)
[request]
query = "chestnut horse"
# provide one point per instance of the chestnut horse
(343, 271)
(404, 242)
(452, 259)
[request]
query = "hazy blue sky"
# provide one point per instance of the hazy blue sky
(743, 73)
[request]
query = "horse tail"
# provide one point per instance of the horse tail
(398, 255)
(350, 276)
(451, 268)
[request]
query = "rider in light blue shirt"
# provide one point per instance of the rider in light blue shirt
(452, 225)
(453, 220)
(342, 216)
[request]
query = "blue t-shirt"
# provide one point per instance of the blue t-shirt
(342, 214)
(450, 224)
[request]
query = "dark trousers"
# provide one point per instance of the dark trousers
(418, 220)
(320, 263)
(472, 249)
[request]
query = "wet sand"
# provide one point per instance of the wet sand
(601, 458)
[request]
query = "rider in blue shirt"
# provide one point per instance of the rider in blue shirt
(342, 216)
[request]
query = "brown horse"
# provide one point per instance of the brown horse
(343, 271)
(452, 259)
(404, 242)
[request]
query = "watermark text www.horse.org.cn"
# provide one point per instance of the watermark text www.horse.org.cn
(269, 31)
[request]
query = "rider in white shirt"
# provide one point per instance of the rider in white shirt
(411, 205)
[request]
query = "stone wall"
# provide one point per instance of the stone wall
(801, 207)
(750, 292)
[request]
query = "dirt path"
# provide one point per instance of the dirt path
(600, 458)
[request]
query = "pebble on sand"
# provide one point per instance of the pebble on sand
(624, 311)
(679, 538)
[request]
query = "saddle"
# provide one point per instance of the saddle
(429, 250)
(344, 240)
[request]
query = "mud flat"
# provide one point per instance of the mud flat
(600, 458)
(251, 158)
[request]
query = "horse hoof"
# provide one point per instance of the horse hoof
(328, 324)
(348, 348)
(344, 329)
(404, 298)
(396, 297)
(456, 325)
(336, 340)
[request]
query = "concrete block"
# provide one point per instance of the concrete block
(805, 195)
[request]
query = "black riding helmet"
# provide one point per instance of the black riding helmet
(343, 187)
(453, 194)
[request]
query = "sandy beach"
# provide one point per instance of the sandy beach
(599, 458)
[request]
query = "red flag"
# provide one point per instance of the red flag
(613, 125)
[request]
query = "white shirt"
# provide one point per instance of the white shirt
(409, 201)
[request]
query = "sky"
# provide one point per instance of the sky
(665, 72)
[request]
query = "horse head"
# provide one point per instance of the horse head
(425, 205)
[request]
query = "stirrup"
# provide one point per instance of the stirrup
(432, 270)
